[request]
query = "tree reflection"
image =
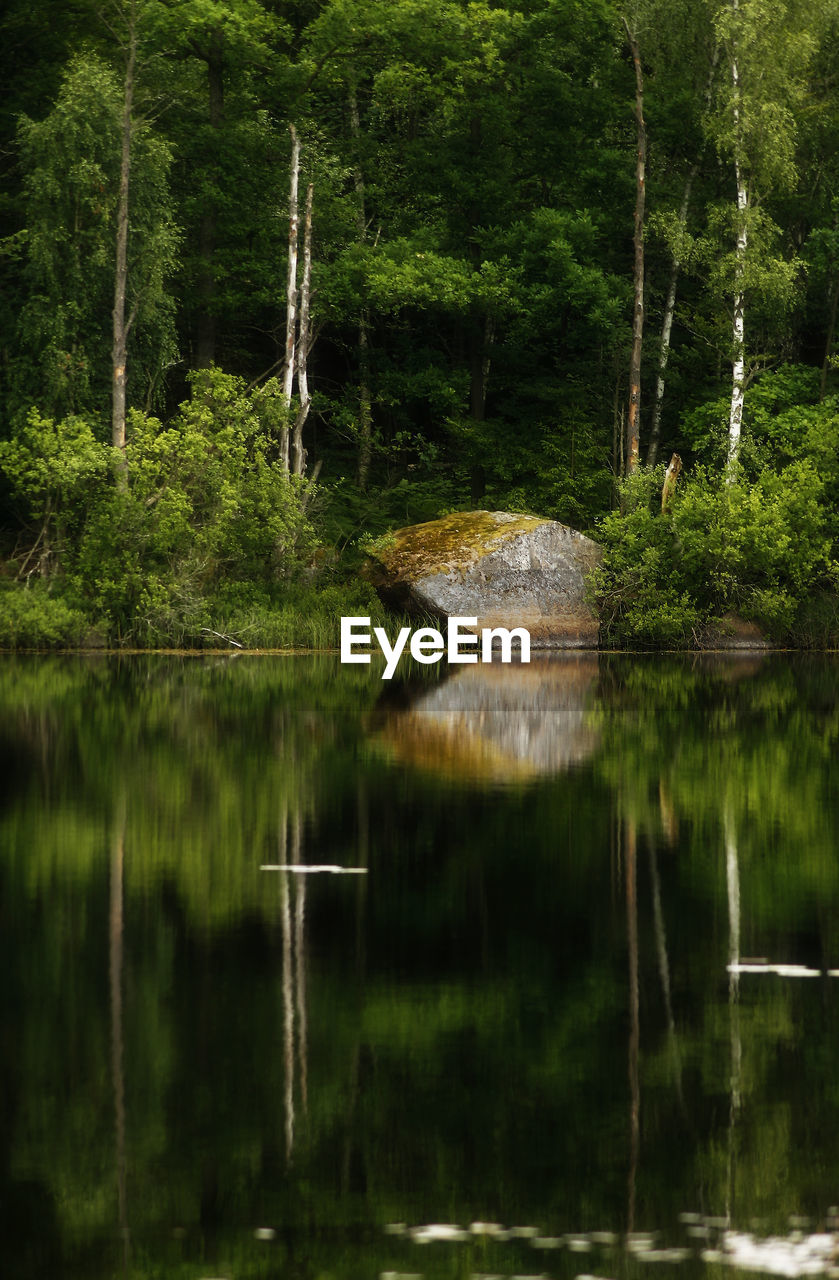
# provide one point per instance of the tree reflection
(115, 969)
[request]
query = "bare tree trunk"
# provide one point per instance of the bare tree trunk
(735, 420)
(670, 478)
(633, 418)
(121, 326)
(291, 294)
(303, 342)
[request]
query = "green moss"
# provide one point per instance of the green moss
(454, 542)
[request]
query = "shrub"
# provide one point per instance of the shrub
(207, 503)
(756, 549)
(32, 618)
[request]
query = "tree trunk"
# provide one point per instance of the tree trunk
(831, 333)
(670, 304)
(291, 293)
(633, 418)
(666, 328)
(365, 406)
(670, 478)
(479, 367)
(205, 349)
(303, 342)
(121, 326)
(735, 420)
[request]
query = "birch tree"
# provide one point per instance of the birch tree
(767, 46)
(298, 326)
(101, 242)
(291, 294)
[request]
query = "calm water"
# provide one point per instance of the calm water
(573, 987)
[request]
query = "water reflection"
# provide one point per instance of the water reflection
(528, 1005)
(499, 723)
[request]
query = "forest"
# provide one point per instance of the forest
(280, 277)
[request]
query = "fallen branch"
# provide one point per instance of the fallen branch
(208, 631)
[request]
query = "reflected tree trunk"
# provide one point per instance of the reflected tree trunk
(115, 937)
(732, 875)
(664, 973)
(287, 988)
(299, 958)
(630, 857)
(294, 995)
(362, 860)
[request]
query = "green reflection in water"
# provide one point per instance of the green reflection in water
(193, 1049)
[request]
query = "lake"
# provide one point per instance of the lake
(554, 995)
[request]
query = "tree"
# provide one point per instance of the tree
(768, 47)
(122, 327)
(632, 422)
(223, 66)
(75, 173)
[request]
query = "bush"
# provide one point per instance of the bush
(207, 504)
(32, 618)
(755, 549)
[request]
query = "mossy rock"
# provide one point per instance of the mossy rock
(504, 569)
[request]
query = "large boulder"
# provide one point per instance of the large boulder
(505, 570)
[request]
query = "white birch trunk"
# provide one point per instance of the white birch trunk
(303, 342)
(291, 294)
(735, 420)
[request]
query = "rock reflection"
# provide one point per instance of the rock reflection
(498, 722)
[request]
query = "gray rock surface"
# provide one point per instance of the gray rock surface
(504, 569)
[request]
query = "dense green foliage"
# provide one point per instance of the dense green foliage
(473, 169)
(759, 542)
